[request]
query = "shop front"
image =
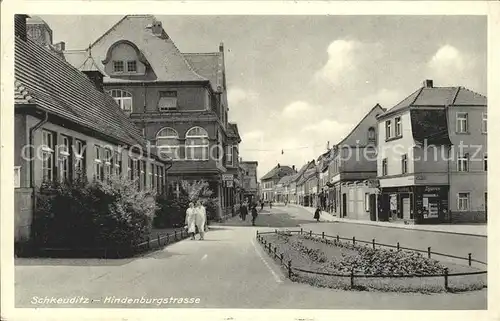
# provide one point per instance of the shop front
(420, 204)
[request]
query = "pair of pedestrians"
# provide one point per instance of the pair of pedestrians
(196, 217)
(244, 212)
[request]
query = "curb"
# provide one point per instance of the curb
(336, 220)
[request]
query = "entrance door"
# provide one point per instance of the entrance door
(373, 207)
(406, 208)
(344, 205)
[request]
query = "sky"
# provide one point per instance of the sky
(296, 83)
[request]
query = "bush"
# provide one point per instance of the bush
(171, 210)
(95, 215)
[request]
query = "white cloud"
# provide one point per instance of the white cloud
(326, 130)
(297, 109)
(347, 62)
(237, 95)
(451, 67)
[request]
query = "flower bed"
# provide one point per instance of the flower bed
(373, 269)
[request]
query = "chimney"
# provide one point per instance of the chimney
(96, 77)
(60, 46)
(293, 167)
(428, 83)
(20, 26)
(157, 28)
(221, 47)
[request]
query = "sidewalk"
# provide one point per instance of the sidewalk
(466, 229)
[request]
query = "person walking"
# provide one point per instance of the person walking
(201, 219)
(317, 214)
(254, 214)
(191, 220)
(261, 205)
(244, 211)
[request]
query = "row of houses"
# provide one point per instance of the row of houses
(422, 161)
(131, 105)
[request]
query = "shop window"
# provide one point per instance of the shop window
(463, 201)
(48, 147)
(367, 202)
(463, 162)
(462, 123)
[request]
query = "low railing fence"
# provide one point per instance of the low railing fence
(273, 251)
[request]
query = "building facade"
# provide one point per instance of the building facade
(269, 181)
(250, 183)
(354, 159)
(432, 162)
(72, 129)
(179, 100)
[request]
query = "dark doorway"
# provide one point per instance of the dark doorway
(373, 207)
(344, 205)
(384, 207)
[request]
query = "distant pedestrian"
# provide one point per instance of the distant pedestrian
(254, 214)
(191, 220)
(317, 214)
(261, 206)
(201, 219)
(244, 211)
(270, 204)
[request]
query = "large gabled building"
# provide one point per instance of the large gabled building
(432, 160)
(270, 180)
(178, 99)
(72, 128)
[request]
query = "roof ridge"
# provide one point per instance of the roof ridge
(202, 53)
(416, 96)
(357, 125)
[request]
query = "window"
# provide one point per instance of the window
(167, 143)
(485, 162)
(123, 99)
(485, 123)
(463, 201)
(132, 66)
(397, 127)
(229, 155)
(463, 162)
(160, 178)
(404, 164)
(118, 66)
(135, 169)
(48, 165)
(17, 176)
(79, 149)
(64, 159)
(108, 163)
(151, 176)
(367, 202)
(197, 144)
(384, 167)
(142, 175)
(462, 123)
(387, 129)
(167, 101)
(98, 163)
(117, 160)
(371, 134)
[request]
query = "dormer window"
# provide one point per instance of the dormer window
(118, 66)
(132, 66)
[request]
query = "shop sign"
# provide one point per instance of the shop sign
(432, 189)
(227, 177)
